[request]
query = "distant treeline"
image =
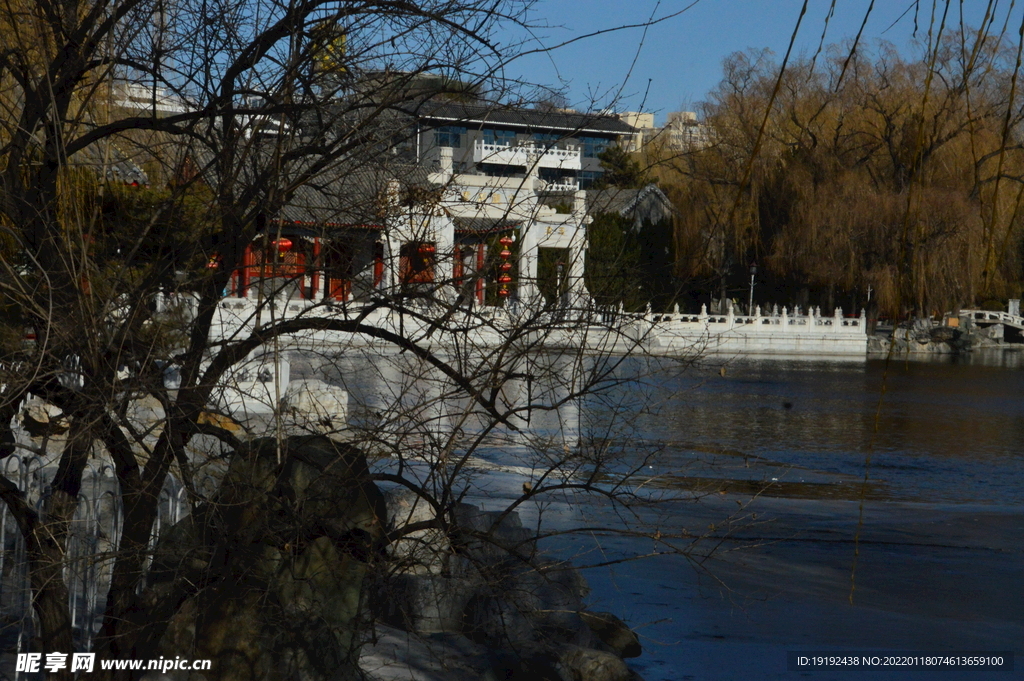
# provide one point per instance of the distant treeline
(855, 172)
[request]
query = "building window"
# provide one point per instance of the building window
(449, 136)
(592, 146)
(555, 175)
(589, 177)
(498, 136)
(548, 140)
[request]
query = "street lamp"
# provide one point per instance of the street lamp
(753, 272)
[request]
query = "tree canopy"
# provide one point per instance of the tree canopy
(860, 171)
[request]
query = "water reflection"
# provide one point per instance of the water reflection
(945, 429)
(525, 402)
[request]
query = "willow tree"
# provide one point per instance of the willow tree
(863, 170)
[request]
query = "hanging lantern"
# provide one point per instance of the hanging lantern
(426, 249)
(283, 245)
(505, 279)
(214, 262)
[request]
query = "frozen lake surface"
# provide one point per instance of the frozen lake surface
(900, 484)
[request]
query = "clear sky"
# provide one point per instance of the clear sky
(679, 60)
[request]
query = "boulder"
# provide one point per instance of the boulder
(283, 551)
(423, 551)
(492, 537)
(316, 406)
(613, 632)
(424, 603)
(585, 664)
(944, 334)
(42, 419)
(481, 581)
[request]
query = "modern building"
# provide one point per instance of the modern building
(683, 131)
(500, 141)
(642, 123)
(149, 98)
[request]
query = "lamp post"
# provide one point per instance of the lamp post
(753, 273)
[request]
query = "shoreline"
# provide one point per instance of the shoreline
(940, 577)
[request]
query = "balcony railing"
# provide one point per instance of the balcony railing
(527, 155)
(563, 185)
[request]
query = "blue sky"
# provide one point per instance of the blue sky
(682, 57)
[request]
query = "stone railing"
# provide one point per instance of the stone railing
(776, 322)
(527, 154)
(777, 332)
(985, 316)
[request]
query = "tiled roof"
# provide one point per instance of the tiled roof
(346, 196)
(109, 161)
(535, 120)
(483, 224)
(624, 201)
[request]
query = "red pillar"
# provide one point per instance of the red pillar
(480, 257)
(316, 267)
(245, 274)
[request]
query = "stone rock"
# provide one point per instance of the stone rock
(419, 551)
(493, 620)
(531, 602)
(395, 655)
(283, 550)
(944, 334)
(42, 419)
(316, 406)
(878, 345)
(486, 582)
(424, 603)
(585, 664)
(613, 632)
(490, 537)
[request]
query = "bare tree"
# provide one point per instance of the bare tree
(159, 154)
(873, 170)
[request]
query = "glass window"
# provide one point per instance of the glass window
(553, 174)
(589, 177)
(449, 136)
(498, 136)
(548, 140)
(592, 146)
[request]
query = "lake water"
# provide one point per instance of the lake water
(938, 431)
(931, 546)
(854, 505)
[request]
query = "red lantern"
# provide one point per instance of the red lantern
(426, 249)
(505, 266)
(283, 245)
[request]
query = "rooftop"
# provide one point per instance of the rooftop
(531, 119)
